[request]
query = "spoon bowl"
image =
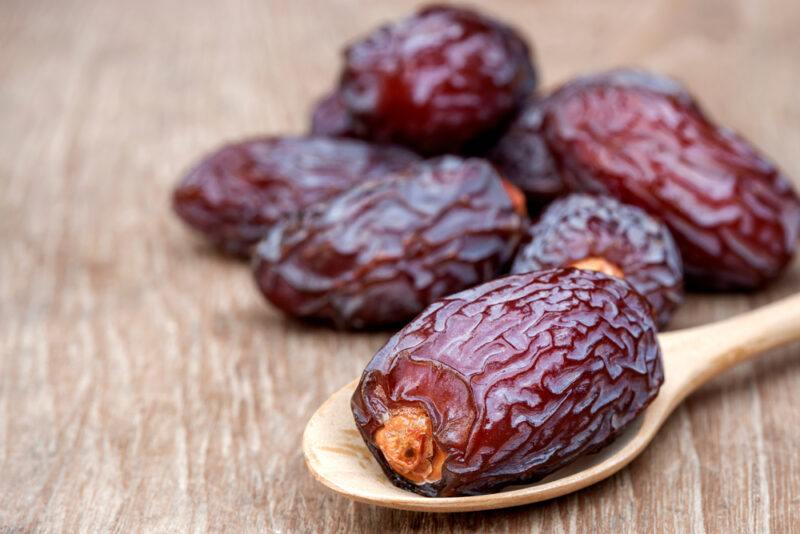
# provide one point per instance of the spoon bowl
(336, 455)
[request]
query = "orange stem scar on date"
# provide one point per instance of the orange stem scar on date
(602, 265)
(517, 197)
(406, 441)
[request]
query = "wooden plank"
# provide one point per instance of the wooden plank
(145, 386)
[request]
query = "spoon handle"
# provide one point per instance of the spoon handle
(695, 355)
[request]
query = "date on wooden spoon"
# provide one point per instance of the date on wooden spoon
(337, 456)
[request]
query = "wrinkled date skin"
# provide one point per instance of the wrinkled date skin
(379, 253)
(235, 194)
(521, 156)
(579, 228)
(643, 139)
(443, 80)
(507, 382)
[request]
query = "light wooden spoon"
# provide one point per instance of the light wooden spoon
(337, 456)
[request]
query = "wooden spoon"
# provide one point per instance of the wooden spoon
(337, 456)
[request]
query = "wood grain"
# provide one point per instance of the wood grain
(144, 385)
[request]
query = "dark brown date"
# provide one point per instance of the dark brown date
(236, 193)
(443, 80)
(507, 382)
(381, 252)
(643, 139)
(330, 117)
(601, 233)
(523, 158)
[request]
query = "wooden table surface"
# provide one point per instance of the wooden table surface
(144, 384)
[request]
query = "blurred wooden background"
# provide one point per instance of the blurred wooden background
(145, 386)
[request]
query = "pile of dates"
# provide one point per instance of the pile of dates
(531, 242)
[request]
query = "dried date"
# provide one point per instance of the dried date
(235, 194)
(381, 252)
(508, 381)
(522, 156)
(643, 139)
(443, 80)
(331, 118)
(601, 233)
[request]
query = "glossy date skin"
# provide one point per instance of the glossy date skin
(508, 381)
(644, 140)
(236, 193)
(445, 80)
(580, 227)
(379, 253)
